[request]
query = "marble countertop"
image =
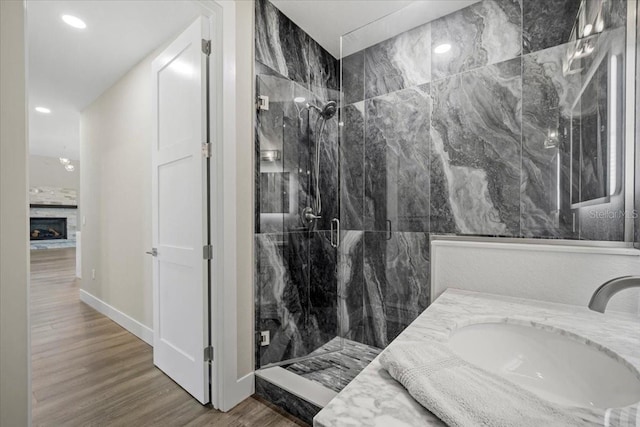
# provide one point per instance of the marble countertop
(373, 398)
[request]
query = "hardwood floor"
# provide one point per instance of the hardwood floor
(88, 371)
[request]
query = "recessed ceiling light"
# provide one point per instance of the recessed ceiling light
(69, 167)
(43, 110)
(442, 48)
(64, 161)
(74, 21)
(299, 99)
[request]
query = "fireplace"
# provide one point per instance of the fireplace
(48, 228)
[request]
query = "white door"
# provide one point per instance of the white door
(179, 182)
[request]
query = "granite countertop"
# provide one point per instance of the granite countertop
(373, 398)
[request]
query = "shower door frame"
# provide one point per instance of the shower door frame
(297, 214)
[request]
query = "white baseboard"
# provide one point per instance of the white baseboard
(241, 390)
(143, 332)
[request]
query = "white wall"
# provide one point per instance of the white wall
(548, 272)
(48, 172)
(15, 389)
(115, 190)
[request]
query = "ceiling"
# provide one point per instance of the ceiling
(327, 20)
(69, 68)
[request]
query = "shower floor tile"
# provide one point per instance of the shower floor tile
(334, 365)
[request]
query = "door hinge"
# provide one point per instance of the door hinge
(263, 102)
(207, 149)
(207, 252)
(206, 47)
(208, 354)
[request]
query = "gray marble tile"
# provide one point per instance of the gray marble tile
(323, 71)
(547, 23)
(396, 283)
(350, 284)
(547, 99)
(281, 280)
(398, 63)
(296, 294)
(352, 167)
(397, 161)
(353, 78)
(484, 33)
(322, 299)
(335, 364)
(476, 142)
(441, 219)
(289, 402)
(280, 44)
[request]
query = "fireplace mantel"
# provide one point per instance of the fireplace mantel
(47, 206)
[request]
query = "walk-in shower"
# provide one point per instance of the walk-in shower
(487, 118)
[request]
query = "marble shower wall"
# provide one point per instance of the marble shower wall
(476, 139)
(296, 266)
(454, 143)
(383, 283)
(291, 65)
(296, 299)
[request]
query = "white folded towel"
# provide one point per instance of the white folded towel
(463, 395)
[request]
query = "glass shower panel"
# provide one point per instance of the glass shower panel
(296, 316)
(528, 141)
(441, 136)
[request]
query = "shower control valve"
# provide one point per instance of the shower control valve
(308, 214)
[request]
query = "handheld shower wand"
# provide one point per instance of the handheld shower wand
(327, 112)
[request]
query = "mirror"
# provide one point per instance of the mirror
(595, 132)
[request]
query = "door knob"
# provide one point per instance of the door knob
(152, 252)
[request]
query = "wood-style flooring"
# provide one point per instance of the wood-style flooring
(88, 371)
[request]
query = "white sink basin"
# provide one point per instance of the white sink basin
(553, 366)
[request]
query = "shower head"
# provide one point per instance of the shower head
(330, 109)
(327, 111)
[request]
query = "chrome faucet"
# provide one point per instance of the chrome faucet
(603, 294)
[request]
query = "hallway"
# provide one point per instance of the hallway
(87, 370)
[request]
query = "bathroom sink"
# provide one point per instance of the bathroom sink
(555, 366)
